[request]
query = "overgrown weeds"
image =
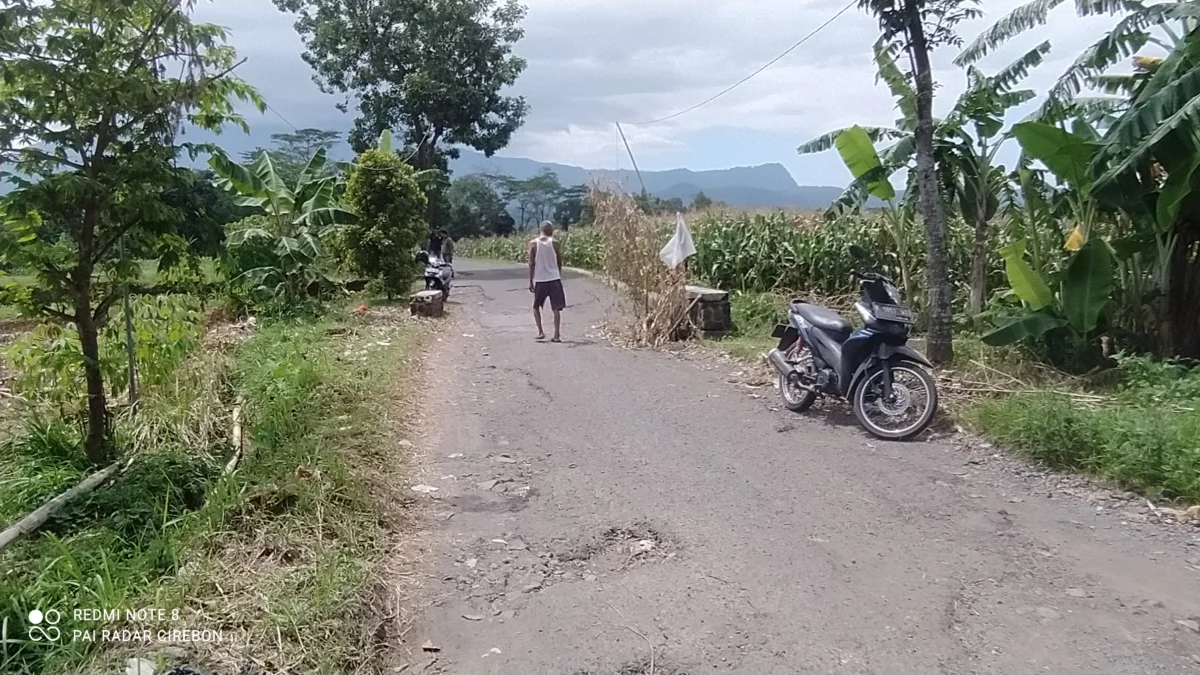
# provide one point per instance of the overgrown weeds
(277, 556)
(1143, 437)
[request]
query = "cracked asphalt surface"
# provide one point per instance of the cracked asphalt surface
(602, 510)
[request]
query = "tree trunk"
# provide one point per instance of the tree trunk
(979, 266)
(89, 342)
(940, 347)
(1184, 293)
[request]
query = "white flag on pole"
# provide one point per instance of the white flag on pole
(680, 247)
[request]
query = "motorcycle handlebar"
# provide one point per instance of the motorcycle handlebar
(872, 276)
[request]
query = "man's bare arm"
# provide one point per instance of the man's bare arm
(532, 262)
(558, 253)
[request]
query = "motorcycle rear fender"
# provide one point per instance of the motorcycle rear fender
(890, 354)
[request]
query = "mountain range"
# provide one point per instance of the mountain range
(752, 187)
(762, 186)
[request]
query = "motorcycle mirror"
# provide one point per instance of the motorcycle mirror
(857, 252)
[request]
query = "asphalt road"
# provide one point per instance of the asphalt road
(602, 509)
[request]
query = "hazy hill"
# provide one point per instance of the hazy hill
(763, 186)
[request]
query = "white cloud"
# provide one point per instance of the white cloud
(593, 62)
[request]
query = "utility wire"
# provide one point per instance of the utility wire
(749, 77)
(285, 120)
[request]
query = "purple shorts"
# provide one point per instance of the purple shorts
(552, 290)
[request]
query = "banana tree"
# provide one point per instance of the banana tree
(966, 145)
(1163, 24)
(1147, 167)
(974, 135)
(1077, 304)
(872, 178)
(296, 219)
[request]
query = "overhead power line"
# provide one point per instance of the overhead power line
(751, 76)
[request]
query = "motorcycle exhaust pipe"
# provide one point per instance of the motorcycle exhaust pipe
(776, 358)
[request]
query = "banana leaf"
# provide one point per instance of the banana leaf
(1027, 283)
(1088, 285)
(1029, 325)
(857, 151)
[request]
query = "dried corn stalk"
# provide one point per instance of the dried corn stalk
(654, 305)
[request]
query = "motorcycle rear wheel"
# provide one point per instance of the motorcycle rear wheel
(796, 398)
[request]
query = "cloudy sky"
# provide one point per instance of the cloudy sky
(593, 62)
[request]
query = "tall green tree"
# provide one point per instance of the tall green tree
(92, 95)
(475, 207)
(917, 27)
(290, 152)
(435, 70)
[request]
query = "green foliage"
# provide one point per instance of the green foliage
(105, 548)
(1087, 286)
(291, 151)
(755, 314)
(167, 532)
(760, 253)
(857, 151)
(582, 247)
(653, 205)
(48, 360)
(414, 77)
(1026, 283)
(389, 229)
(89, 119)
(1069, 318)
(204, 211)
(296, 219)
(1142, 445)
(476, 209)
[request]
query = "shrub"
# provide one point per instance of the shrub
(1145, 439)
(49, 361)
(389, 229)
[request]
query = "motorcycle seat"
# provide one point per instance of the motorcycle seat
(822, 317)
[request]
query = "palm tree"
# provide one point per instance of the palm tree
(917, 27)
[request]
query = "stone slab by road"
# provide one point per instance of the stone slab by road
(601, 507)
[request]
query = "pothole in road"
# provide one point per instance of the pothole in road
(644, 666)
(618, 548)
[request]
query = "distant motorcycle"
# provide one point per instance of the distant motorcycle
(439, 275)
(818, 355)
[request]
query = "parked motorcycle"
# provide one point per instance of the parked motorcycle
(439, 275)
(819, 354)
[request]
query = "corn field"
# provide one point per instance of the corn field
(780, 252)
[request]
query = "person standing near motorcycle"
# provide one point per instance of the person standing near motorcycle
(435, 242)
(545, 279)
(448, 248)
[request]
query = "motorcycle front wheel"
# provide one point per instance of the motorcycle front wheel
(908, 411)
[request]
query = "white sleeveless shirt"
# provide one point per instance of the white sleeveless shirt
(545, 262)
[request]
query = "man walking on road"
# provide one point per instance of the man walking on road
(545, 278)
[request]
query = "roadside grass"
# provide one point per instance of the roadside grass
(280, 556)
(1143, 436)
